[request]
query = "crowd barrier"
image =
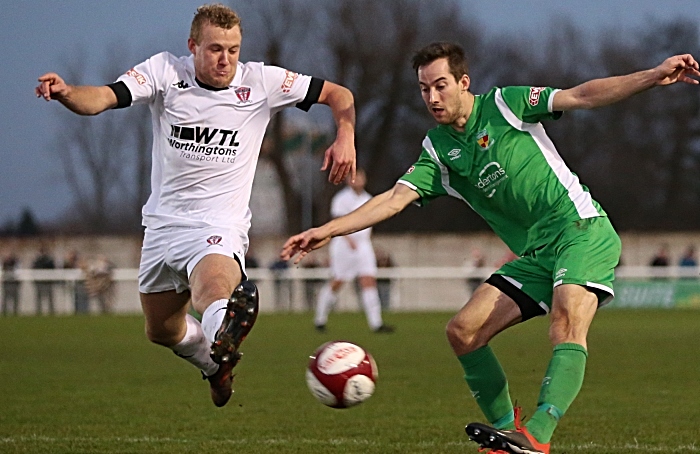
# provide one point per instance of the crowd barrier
(401, 289)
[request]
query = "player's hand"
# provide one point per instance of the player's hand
(341, 154)
(678, 68)
(304, 243)
(51, 86)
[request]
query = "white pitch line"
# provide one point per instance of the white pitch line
(585, 447)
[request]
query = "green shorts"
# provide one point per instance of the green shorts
(584, 253)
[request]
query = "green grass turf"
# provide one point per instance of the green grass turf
(95, 385)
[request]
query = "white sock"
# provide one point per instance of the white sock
(212, 318)
(326, 301)
(194, 347)
(373, 307)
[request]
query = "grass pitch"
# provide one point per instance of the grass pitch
(95, 385)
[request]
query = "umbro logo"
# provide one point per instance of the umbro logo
(454, 154)
(181, 84)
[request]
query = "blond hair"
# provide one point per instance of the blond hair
(215, 14)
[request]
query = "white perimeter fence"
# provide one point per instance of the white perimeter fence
(295, 289)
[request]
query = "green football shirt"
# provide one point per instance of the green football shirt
(506, 168)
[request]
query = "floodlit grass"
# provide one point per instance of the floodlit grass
(95, 385)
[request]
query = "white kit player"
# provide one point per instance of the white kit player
(209, 114)
(351, 257)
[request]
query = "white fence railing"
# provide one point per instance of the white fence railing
(295, 288)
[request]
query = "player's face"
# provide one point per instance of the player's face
(216, 54)
(441, 93)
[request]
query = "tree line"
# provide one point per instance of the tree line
(640, 157)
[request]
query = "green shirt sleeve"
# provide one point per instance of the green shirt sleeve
(530, 104)
(425, 177)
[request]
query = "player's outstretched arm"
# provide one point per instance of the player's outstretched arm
(377, 209)
(341, 154)
(81, 99)
(601, 92)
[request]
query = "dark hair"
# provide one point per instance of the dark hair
(441, 49)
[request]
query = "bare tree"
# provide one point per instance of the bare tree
(371, 44)
(367, 46)
(280, 37)
(640, 157)
(105, 159)
(659, 132)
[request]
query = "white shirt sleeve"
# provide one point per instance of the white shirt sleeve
(284, 88)
(339, 205)
(146, 79)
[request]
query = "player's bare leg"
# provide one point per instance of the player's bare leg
(488, 312)
(573, 309)
(165, 316)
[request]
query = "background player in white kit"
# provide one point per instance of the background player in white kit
(209, 115)
(352, 256)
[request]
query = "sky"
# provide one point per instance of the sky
(39, 35)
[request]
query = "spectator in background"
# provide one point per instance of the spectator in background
(384, 260)
(10, 284)
(44, 288)
(477, 261)
(312, 286)
(283, 287)
(688, 258)
(251, 261)
(661, 257)
(81, 299)
(99, 283)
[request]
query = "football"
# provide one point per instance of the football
(341, 374)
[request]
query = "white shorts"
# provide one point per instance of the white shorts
(348, 263)
(169, 254)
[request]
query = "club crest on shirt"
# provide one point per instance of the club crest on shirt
(243, 94)
(482, 139)
(214, 240)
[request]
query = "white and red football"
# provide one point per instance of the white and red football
(341, 374)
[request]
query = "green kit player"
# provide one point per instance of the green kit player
(492, 152)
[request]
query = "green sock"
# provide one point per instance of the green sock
(489, 386)
(560, 387)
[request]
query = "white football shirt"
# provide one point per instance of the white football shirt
(206, 142)
(346, 201)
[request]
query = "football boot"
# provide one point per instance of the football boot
(241, 312)
(518, 441)
(220, 384)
